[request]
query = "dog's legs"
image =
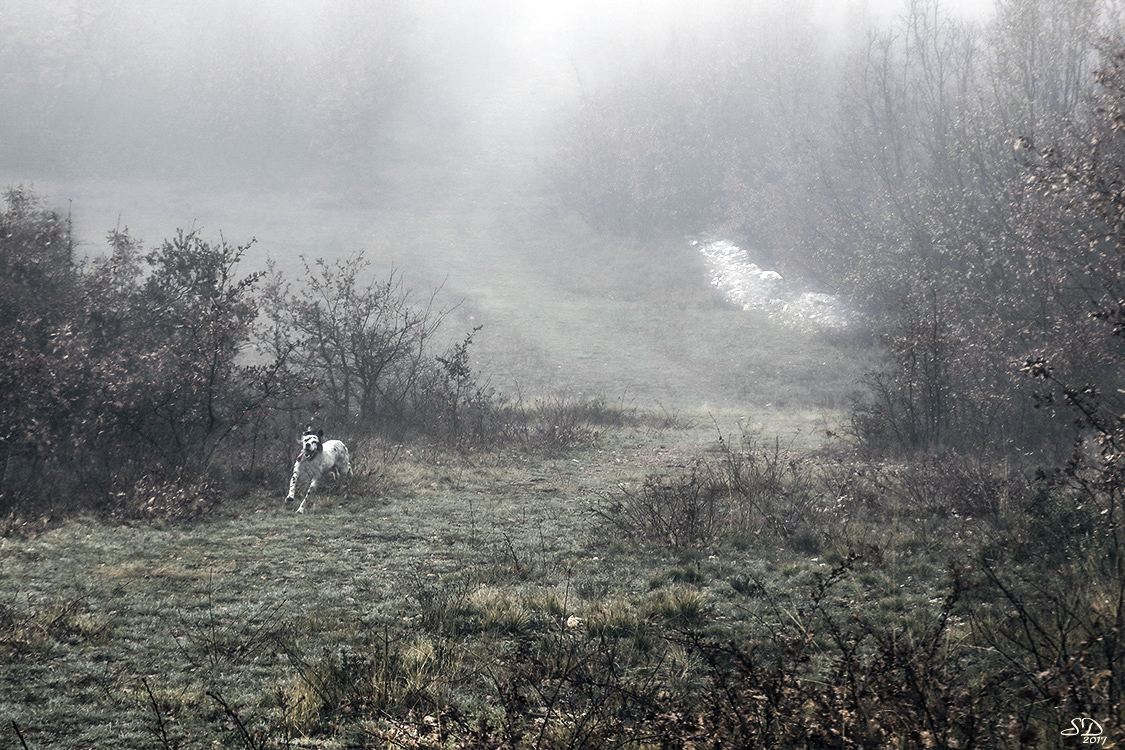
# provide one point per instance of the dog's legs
(339, 476)
(312, 486)
(293, 482)
(346, 460)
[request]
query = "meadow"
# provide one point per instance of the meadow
(689, 551)
(685, 550)
(680, 534)
(416, 606)
(644, 581)
(404, 598)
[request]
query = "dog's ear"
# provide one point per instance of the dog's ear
(320, 434)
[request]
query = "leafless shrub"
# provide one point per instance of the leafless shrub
(750, 490)
(559, 423)
(549, 425)
(166, 498)
(684, 511)
(367, 344)
(824, 675)
(948, 485)
(778, 489)
(869, 687)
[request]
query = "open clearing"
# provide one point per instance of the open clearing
(497, 598)
(133, 635)
(176, 635)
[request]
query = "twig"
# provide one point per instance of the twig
(19, 734)
(164, 740)
(247, 737)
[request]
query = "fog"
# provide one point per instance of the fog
(418, 132)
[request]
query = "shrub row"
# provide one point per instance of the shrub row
(135, 382)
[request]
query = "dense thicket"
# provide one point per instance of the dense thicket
(889, 169)
(134, 380)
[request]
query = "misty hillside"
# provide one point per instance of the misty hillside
(680, 373)
(549, 167)
(455, 196)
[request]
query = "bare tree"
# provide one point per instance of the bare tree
(366, 342)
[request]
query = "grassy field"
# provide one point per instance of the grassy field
(701, 565)
(150, 635)
(646, 589)
(421, 594)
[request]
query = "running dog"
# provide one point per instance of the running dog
(317, 458)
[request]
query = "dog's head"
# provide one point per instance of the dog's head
(311, 443)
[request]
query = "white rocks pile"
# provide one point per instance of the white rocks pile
(750, 287)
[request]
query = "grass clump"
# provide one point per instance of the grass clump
(44, 628)
(382, 679)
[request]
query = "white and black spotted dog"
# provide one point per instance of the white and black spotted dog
(317, 458)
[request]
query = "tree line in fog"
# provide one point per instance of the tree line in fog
(957, 179)
(199, 88)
